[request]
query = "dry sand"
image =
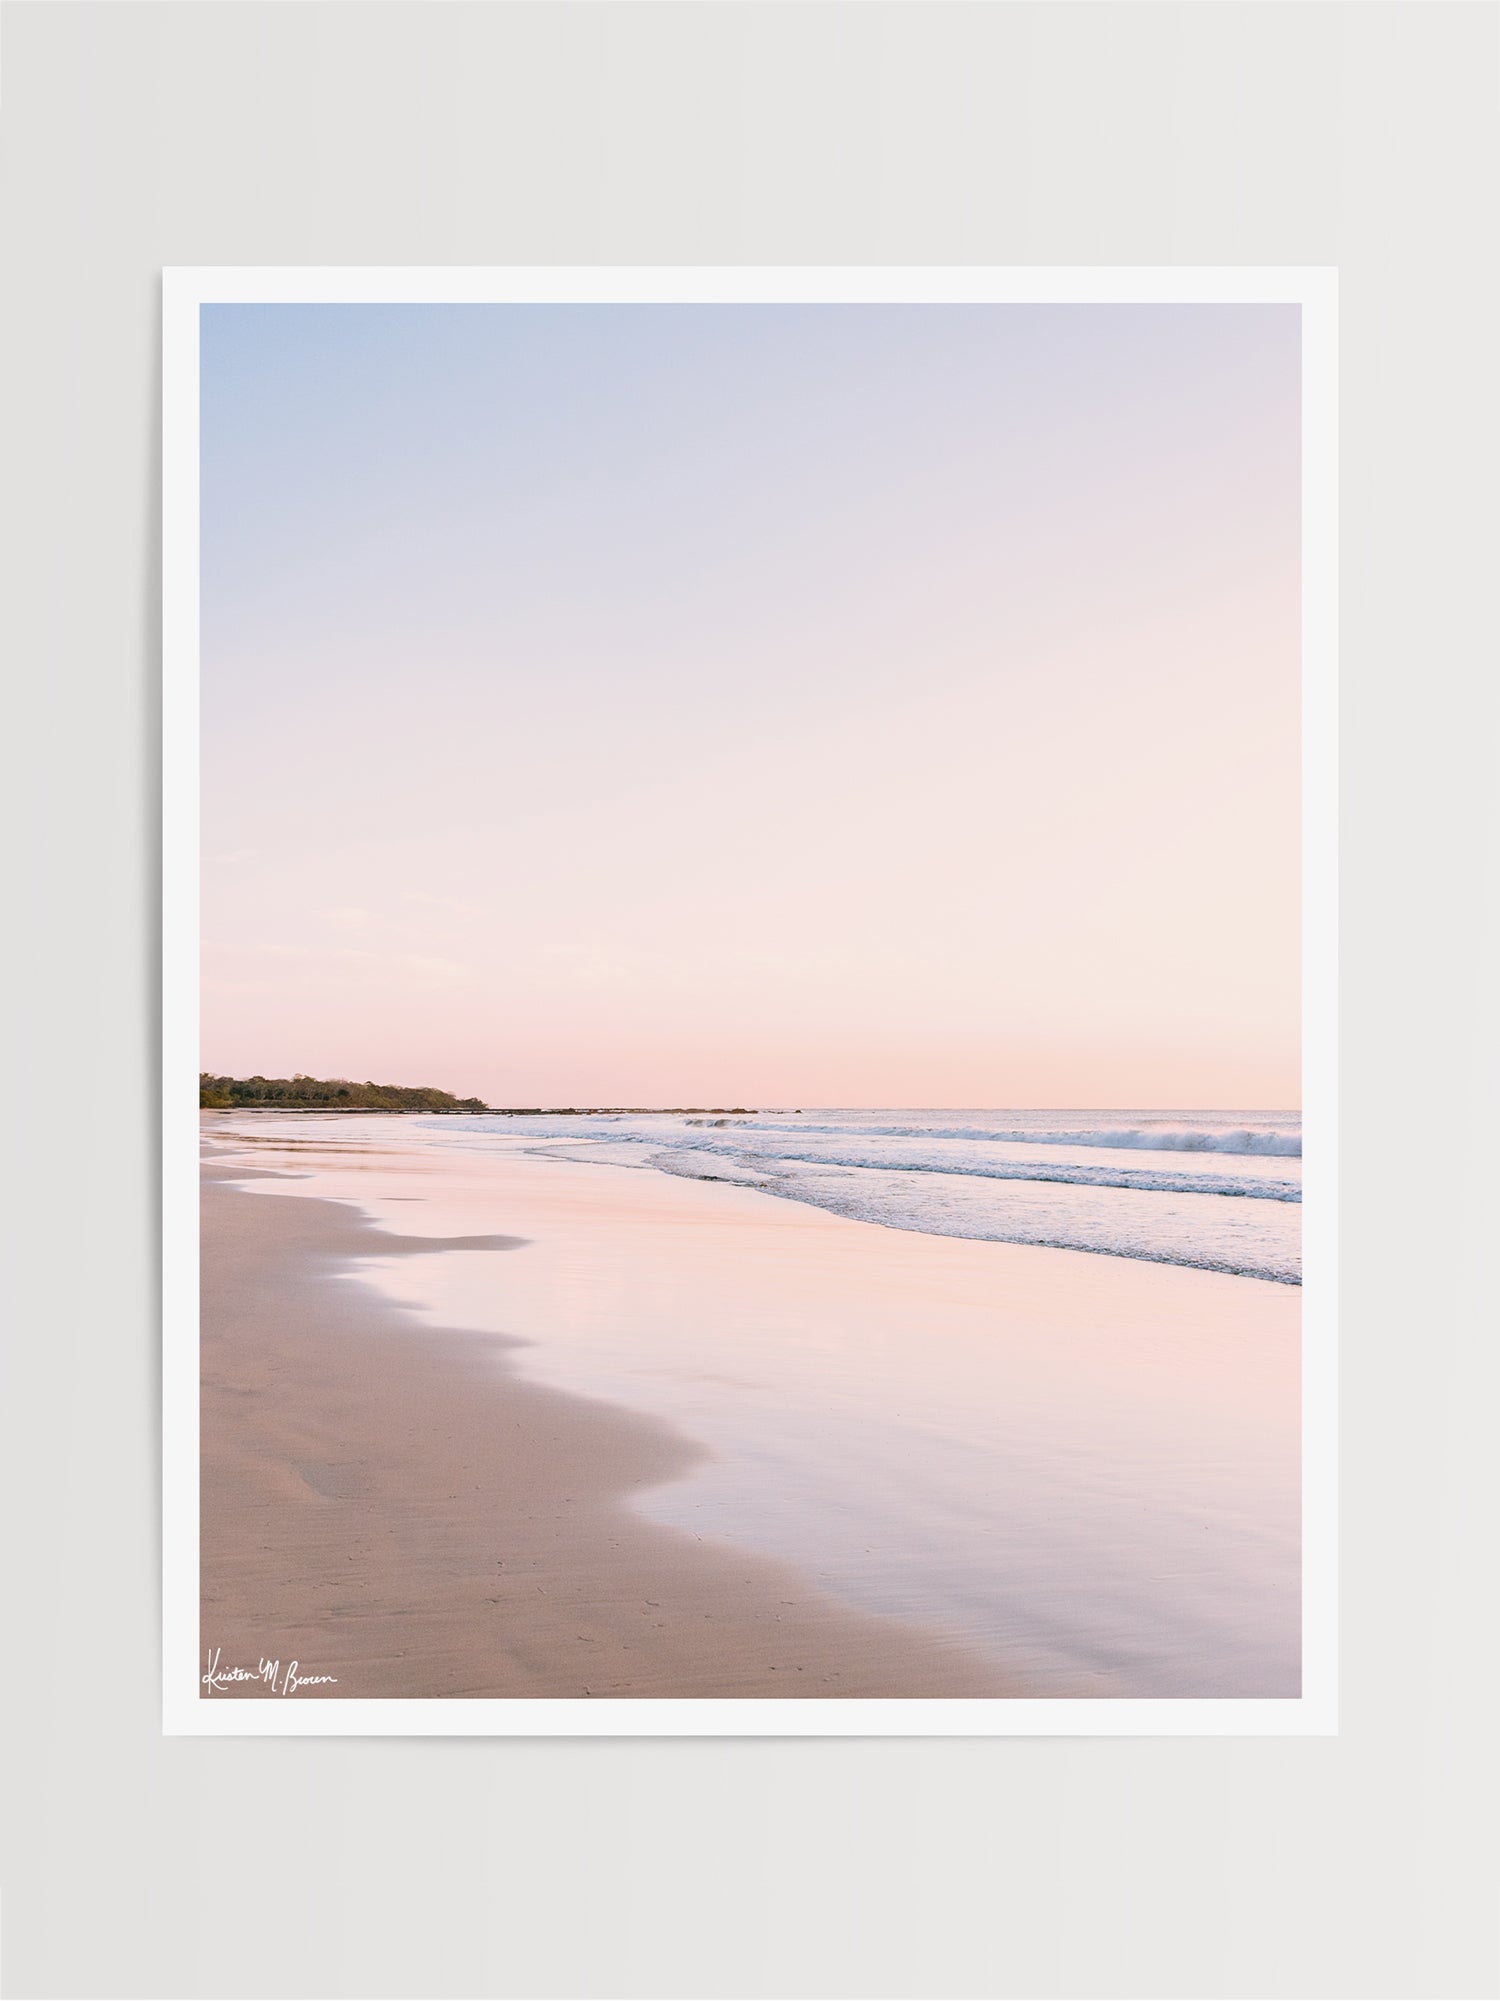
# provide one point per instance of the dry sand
(383, 1505)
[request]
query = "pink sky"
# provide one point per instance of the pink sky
(754, 705)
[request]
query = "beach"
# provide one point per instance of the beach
(479, 1423)
(385, 1506)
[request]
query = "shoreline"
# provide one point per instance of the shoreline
(384, 1504)
(1108, 1193)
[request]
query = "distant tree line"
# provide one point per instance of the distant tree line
(338, 1094)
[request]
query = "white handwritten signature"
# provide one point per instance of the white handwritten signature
(268, 1672)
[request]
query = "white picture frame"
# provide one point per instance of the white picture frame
(184, 1711)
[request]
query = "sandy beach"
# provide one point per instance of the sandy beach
(478, 1422)
(385, 1505)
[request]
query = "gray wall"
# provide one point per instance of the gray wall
(140, 135)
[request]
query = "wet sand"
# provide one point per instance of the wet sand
(384, 1504)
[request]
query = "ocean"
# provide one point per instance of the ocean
(1218, 1191)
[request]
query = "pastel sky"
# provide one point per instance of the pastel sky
(754, 705)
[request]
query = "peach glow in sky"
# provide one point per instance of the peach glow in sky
(754, 705)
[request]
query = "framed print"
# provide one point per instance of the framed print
(750, 889)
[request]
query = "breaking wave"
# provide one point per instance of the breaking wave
(1217, 1192)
